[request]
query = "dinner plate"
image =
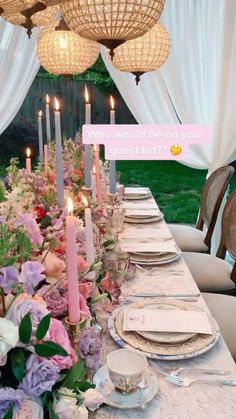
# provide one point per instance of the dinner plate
(145, 220)
(116, 398)
(157, 350)
(165, 337)
(137, 197)
(154, 262)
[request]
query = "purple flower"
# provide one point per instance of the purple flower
(90, 348)
(20, 308)
(29, 222)
(40, 376)
(9, 276)
(56, 300)
(10, 396)
(2, 220)
(31, 275)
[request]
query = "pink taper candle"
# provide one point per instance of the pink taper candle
(98, 174)
(45, 157)
(28, 160)
(72, 266)
(90, 251)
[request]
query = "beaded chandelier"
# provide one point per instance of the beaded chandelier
(147, 53)
(42, 18)
(111, 22)
(61, 51)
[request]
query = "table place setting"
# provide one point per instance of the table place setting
(137, 193)
(150, 251)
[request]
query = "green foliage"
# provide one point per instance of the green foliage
(25, 329)
(43, 327)
(49, 348)
(18, 363)
(2, 192)
(97, 75)
(9, 414)
(14, 245)
(76, 373)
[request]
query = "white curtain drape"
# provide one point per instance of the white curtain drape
(18, 68)
(198, 82)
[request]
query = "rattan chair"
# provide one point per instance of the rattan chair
(213, 273)
(194, 239)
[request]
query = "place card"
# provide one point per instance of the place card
(159, 234)
(147, 245)
(178, 321)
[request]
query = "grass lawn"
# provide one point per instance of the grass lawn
(176, 187)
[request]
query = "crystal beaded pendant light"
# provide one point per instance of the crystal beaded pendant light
(61, 51)
(42, 18)
(147, 53)
(111, 22)
(15, 6)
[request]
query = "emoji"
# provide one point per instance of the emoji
(175, 149)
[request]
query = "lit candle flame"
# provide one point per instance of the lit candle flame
(70, 206)
(40, 114)
(84, 200)
(28, 152)
(94, 170)
(47, 99)
(86, 94)
(112, 102)
(56, 104)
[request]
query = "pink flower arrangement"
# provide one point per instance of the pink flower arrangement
(58, 334)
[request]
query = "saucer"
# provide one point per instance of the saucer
(115, 398)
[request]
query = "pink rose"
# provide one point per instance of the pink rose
(29, 410)
(53, 265)
(93, 399)
(107, 284)
(58, 334)
(83, 266)
(86, 288)
(84, 310)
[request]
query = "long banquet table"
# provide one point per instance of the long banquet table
(199, 401)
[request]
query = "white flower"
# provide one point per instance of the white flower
(66, 407)
(93, 399)
(9, 336)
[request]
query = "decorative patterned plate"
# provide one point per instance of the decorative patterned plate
(125, 401)
(157, 350)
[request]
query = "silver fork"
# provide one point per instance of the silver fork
(187, 382)
(176, 371)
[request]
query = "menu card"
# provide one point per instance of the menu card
(179, 321)
(147, 245)
(146, 233)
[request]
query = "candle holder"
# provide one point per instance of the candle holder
(74, 332)
(87, 192)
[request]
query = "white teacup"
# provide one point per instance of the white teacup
(126, 369)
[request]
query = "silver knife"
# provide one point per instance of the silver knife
(153, 294)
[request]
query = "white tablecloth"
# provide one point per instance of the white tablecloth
(200, 401)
